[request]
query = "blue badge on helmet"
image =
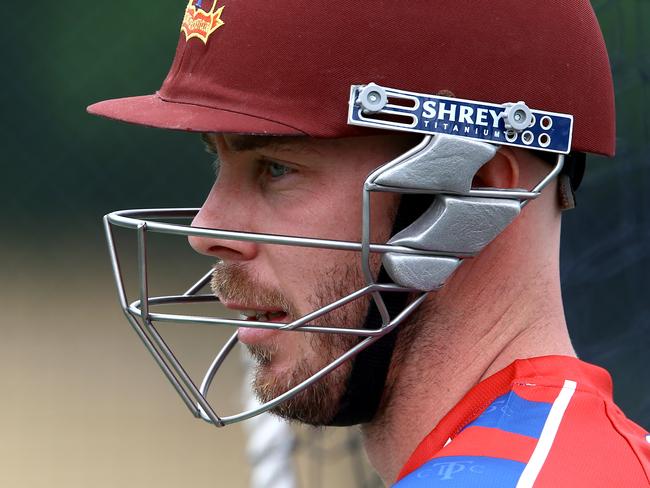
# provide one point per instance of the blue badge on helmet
(511, 124)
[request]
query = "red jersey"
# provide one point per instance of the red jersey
(547, 422)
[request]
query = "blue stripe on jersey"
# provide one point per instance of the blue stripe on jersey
(464, 472)
(514, 414)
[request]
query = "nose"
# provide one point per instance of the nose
(223, 212)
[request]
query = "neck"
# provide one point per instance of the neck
(462, 334)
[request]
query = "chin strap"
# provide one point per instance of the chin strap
(362, 396)
(363, 393)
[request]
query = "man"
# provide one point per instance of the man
(474, 383)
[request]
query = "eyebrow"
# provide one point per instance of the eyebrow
(209, 144)
(249, 143)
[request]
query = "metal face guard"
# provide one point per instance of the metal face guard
(142, 317)
(418, 259)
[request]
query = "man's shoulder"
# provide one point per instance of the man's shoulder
(497, 451)
(549, 430)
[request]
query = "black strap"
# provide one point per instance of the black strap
(574, 165)
(362, 396)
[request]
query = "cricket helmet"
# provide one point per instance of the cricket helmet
(305, 68)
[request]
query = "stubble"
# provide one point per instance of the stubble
(318, 403)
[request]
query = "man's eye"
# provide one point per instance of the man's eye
(277, 170)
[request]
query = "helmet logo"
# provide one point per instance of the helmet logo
(200, 23)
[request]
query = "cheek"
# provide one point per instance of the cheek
(341, 217)
(300, 272)
(337, 218)
(308, 276)
(383, 208)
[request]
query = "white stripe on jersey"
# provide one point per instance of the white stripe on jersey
(545, 442)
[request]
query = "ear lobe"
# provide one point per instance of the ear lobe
(502, 171)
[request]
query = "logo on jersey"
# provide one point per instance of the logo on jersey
(200, 23)
(447, 470)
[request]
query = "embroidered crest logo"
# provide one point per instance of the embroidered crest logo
(199, 23)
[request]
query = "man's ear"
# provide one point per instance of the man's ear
(502, 171)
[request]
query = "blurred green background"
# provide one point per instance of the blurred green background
(82, 403)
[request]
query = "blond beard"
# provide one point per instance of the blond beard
(318, 403)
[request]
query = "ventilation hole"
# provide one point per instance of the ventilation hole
(544, 140)
(511, 135)
(527, 138)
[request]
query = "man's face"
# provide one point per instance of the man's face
(297, 187)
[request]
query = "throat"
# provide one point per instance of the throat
(432, 372)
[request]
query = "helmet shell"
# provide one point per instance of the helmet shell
(287, 69)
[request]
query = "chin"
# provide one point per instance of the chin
(316, 405)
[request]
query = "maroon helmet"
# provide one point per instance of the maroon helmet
(260, 68)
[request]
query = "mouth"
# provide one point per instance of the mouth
(256, 313)
(253, 315)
